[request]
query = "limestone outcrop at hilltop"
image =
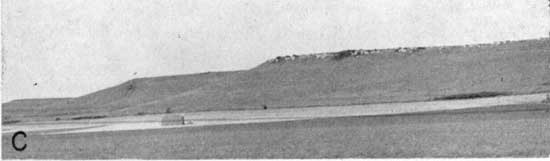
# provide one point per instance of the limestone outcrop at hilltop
(363, 52)
(343, 54)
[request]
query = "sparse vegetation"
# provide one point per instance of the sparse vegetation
(10, 122)
(88, 117)
(472, 95)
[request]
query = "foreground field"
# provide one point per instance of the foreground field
(502, 131)
(270, 115)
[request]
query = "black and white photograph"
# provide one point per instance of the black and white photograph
(275, 79)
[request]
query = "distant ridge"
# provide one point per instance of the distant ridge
(364, 52)
(333, 78)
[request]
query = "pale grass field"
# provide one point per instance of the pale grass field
(271, 115)
(501, 131)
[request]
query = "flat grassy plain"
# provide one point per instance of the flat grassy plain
(502, 131)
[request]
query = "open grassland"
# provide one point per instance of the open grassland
(502, 131)
(251, 116)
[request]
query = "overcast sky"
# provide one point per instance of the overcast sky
(73, 47)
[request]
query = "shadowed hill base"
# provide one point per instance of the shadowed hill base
(339, 78)
(472, 95)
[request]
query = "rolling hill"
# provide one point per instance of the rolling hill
(335, 78)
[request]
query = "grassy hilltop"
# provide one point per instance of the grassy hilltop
(339, 78)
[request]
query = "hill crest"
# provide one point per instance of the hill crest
(365, 52)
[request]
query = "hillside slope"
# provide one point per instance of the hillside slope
(121, 96)
(339, 78)
(384, 76)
